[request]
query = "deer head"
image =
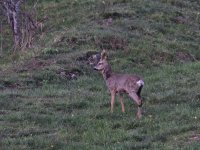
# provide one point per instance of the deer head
(103, 65)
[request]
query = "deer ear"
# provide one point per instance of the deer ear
(103, 55)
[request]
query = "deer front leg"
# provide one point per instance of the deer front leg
(112, 101)
(122, 102)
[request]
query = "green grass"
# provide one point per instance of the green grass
(159, 40)
(76, 114)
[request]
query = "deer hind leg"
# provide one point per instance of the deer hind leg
(112, 100)
(138, 101)
(122, 102)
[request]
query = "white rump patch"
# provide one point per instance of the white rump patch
(140, 83)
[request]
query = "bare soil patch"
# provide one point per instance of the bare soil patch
(34, 64)
(184, 57)
(194, 138)
(112, 42)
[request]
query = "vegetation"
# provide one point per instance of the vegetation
(50, 98)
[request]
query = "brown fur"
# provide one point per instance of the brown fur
(121, 83)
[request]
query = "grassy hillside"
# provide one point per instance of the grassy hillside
(50, 98)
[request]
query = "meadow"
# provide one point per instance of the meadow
(51, 98)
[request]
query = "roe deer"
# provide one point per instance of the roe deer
(121, 83)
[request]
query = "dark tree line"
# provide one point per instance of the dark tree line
(21, 21)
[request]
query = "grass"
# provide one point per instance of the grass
(77, 115)
(159, 40)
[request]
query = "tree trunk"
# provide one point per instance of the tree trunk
(12, 11)
(22, 24)
(16, 24)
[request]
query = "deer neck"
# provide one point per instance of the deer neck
(107, 72)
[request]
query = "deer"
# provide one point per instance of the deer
(121, 83)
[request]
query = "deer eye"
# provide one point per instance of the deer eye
(100, 63)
